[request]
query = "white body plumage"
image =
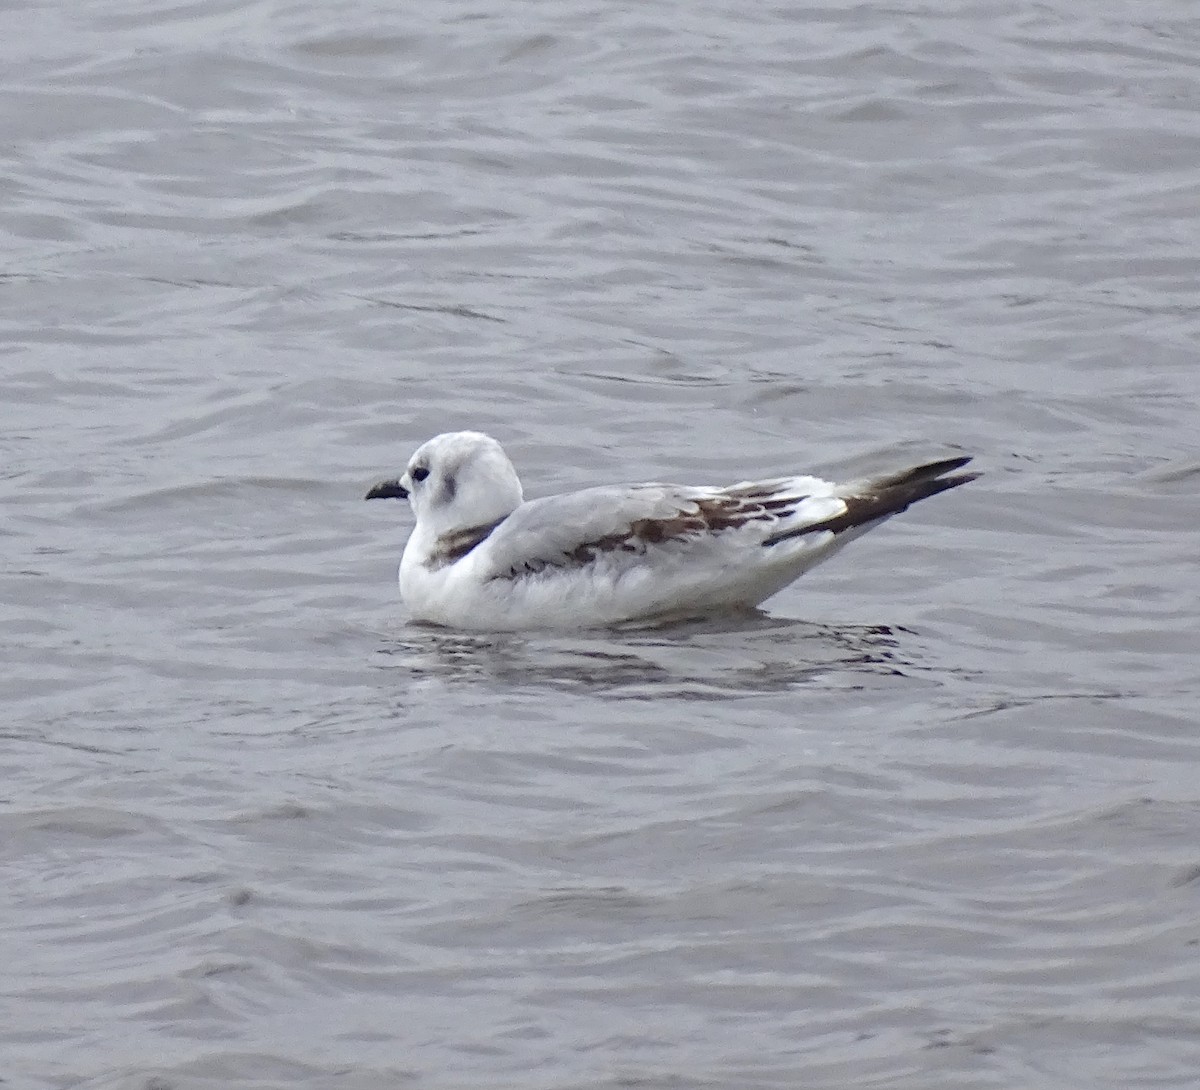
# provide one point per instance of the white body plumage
(480, 557)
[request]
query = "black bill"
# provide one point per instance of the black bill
(388, 490)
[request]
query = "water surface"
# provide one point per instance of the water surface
(928, 822)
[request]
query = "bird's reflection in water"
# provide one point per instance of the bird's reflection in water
(744, 653)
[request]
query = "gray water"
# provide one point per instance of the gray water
(931, 821)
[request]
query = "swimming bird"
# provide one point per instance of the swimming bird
(482, 557)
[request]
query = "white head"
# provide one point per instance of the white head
(456, 481)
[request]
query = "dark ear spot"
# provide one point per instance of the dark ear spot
(449, 488)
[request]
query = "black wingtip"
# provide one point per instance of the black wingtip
(927, 472)
(886, 496)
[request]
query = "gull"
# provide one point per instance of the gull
(482, 557)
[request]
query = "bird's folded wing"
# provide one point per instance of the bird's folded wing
(575, 529)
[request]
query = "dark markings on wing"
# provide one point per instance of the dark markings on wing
(729, 510)
(452, 547)
(885, 496)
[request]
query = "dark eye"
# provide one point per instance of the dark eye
(419, 473)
